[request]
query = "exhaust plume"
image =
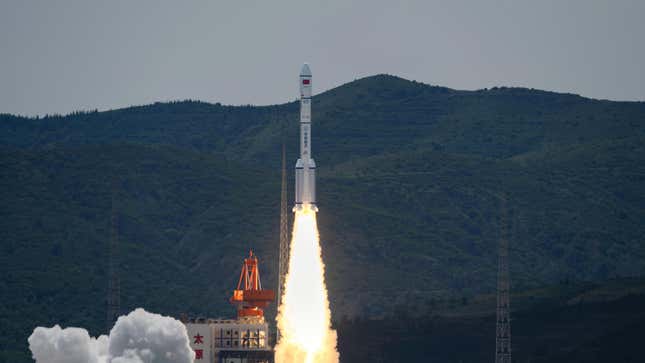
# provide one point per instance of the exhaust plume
(304, 318)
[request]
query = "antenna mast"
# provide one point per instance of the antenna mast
(284, 230)
(503, 328)
(114, 283)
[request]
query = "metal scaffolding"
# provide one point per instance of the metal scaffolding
(284, 232)
(503, 328)
(114, 282)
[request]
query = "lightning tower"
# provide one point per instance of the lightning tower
(284, 231)
(114, 283)
(503, 326)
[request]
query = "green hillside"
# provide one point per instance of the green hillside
(566, 323)
(410, 176)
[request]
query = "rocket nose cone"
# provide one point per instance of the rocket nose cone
(305, 71)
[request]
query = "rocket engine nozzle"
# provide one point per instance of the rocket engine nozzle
(305, 207)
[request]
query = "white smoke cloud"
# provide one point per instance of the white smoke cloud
(71, 345)
(139, 337)
(151, 337)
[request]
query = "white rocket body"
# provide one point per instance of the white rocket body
(305, 166)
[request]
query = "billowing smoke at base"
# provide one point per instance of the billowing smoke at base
(139, 337)
(70, 345)
(304, 318)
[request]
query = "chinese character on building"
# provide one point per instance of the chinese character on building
(199, 339)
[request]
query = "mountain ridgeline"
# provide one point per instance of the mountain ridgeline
(410, 177)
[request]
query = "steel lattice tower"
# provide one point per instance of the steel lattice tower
(114, 282)
(284, 231)
(503, 328)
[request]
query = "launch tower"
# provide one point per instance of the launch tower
(249, 297)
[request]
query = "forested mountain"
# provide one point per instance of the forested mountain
(409, 186)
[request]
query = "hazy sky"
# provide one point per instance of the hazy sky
(61, 56)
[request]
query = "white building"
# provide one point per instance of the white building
(245, 340)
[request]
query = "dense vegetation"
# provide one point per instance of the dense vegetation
(410, 176)
(568, 323)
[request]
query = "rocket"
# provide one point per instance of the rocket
(305, 166)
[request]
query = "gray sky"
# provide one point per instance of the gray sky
(61, 56)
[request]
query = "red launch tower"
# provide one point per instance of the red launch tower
(249, 297)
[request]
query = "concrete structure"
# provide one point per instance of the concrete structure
(243, 340)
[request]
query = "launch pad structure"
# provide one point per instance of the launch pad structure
(241, 340)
